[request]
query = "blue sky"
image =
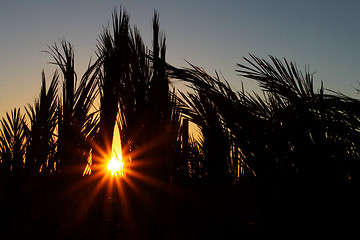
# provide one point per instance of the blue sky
(215, 35)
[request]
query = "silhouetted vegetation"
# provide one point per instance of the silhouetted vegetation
(285, 157)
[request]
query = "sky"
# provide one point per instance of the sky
(215, 35)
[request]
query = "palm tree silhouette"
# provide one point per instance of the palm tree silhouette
(77, 125)
(307, 121)
(287, 152)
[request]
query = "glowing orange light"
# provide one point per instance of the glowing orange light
(116, 165)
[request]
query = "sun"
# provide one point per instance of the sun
(116, 166)
(116, 163)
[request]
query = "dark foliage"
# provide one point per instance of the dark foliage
(274, 159)
(12, 142)
(41, 143)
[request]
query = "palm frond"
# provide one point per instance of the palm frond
(282, 78)
(64, 59)
(12, 141)
(43, 121)
(303, 118)
(113, 52)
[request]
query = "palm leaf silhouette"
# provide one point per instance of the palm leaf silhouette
(113, 65)
(12, 142)
(40, 133)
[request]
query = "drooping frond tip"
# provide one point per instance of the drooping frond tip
(279, 77)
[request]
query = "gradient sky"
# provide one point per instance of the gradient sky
(215, 35)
